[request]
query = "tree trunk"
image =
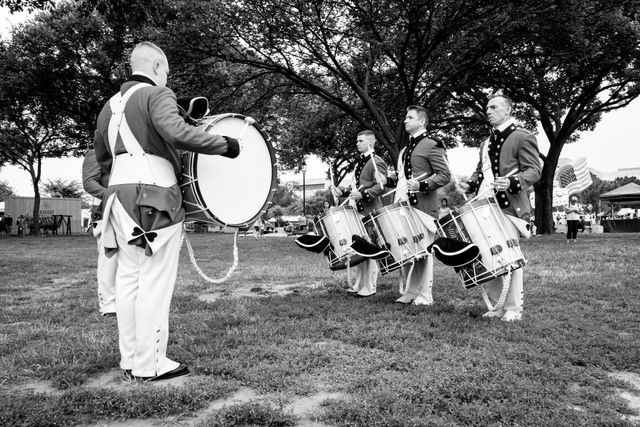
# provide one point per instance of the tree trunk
(544, 189)
(544, 205)
(36, 207)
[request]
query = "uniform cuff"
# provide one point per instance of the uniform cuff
(233, 148)
(424, 186)
(391, 183)
(514, 185)
(472, 186)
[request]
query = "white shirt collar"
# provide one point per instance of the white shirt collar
(418, 133)
(506, 124)
(142, 73)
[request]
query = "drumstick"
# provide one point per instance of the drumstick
(247, 122)
(394, 190)
(375, 167)
(335, 198)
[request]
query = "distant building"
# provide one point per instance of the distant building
(619, 173)
(311, 186)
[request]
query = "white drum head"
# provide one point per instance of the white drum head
(237, 191)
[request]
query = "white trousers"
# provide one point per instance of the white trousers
(515, 296)
(419, 289)
(366, 277)
(144, 288)
(106, 273)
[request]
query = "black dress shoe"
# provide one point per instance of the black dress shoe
(178, 372)
(108, 315)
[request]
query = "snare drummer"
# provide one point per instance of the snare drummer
(367, 186)
(426, 157)
(138, 135)
(509, 148)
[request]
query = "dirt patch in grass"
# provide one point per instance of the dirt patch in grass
(43, 387)
(632, 399)
(307, 408)
(265, 290)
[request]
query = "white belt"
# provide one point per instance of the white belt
(142, 169)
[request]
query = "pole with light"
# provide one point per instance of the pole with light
(303, 168)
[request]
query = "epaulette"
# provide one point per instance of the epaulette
(439, 144)
(527, 131)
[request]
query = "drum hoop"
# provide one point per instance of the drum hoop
(274, 172)
(387, 208)
(333, 210)
(475, 204)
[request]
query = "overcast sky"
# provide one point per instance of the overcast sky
(613, 145)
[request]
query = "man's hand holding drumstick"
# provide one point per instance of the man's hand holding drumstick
(500, 183)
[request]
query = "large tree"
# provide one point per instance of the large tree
(367, 59)
(28, 5)
(56, 70)
(62, 188)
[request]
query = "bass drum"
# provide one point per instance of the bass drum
(230, 192)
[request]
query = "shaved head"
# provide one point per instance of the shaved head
(148, 58)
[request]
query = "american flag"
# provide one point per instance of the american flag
(574, 176)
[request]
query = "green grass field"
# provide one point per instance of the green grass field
(283, 333)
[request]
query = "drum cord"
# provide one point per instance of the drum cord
(506, 284)
(404, 290)
(185, 238)
(349, 272)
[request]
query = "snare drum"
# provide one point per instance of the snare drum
(398, 228)
(339, 224)
(483, 223)
(223, 191)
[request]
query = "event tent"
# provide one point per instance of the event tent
(627, 193)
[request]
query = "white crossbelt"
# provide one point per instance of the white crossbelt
(135, 166)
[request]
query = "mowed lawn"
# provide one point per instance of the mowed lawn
(284, 328)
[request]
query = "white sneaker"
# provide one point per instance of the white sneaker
(406, 298)
(422, 300)
(494, 313)
(512, 316)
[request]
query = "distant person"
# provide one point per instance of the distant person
(326, 206)
(259, 226)
(9, 221)
(444, 208)
(532, 224)
(3, 227)
(587, 221)
(20, 225)
(573, 219)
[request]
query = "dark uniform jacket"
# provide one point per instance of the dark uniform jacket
(424, 155)
(152, 114)
(513, 148)
(364, 175)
